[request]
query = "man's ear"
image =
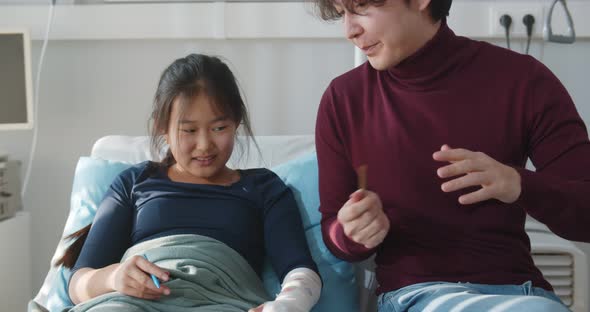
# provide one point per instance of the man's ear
(423, 4)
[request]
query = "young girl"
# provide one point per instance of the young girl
(207, 226)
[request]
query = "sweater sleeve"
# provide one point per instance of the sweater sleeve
(284, 235)
(558, 192)
(337, 180)
(111, 226)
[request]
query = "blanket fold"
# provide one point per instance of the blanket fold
(205, 275)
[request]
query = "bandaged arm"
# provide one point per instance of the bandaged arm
(300, 291)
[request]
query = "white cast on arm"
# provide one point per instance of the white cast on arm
(299, 293)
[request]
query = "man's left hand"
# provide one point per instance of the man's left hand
(497, 180)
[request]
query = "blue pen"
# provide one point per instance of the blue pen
(154, 278)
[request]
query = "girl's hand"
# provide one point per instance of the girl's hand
(497, 180)
(132, 278)
(257, 309)
(275, 306)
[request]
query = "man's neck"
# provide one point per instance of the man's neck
(423, 37)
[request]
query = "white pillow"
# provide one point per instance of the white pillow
(274, 150)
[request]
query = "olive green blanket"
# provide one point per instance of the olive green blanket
(205, 275)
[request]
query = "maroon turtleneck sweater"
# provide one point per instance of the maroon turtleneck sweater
(467, 94)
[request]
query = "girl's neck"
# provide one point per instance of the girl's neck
(226, 177)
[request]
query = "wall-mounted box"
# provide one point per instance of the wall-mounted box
(10, 197)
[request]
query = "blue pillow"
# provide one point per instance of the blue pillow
(94, 176)
(340, 292)
(91, 181)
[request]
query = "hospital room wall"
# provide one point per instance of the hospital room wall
(94, 88)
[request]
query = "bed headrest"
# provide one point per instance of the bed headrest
(274, 150)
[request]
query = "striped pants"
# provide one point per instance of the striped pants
(467, 297)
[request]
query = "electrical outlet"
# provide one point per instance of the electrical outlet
(517, 11)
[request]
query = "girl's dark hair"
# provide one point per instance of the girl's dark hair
(73, 251)
(438, 9)
(185, 78)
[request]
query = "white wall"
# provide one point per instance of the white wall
(94, 88)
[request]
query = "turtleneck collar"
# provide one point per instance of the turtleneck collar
(429, 62)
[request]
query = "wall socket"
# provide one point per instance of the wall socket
(517, 11)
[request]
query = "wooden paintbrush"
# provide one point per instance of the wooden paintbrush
(361, 173)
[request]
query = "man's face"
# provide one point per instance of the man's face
(389, 33)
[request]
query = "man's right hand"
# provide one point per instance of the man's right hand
(363, 219)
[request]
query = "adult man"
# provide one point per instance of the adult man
(444, 125)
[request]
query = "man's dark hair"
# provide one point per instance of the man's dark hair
(438, 9)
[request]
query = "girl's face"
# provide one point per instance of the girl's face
(201, 140)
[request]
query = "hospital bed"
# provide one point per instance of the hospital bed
(347, 287)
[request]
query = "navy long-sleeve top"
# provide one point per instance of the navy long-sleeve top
(255, 216)
(467, 94)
